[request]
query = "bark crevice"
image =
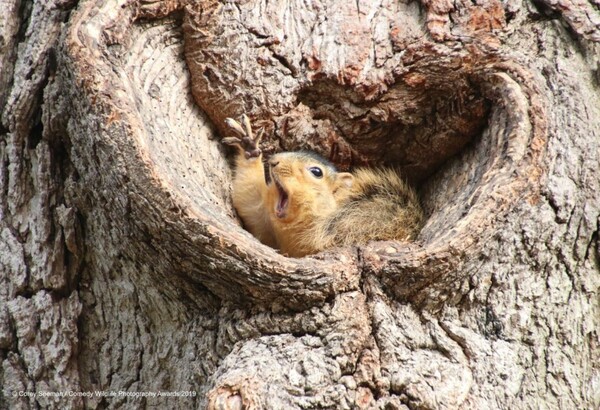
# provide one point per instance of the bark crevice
(128, 269)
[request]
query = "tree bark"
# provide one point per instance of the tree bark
(124, 268)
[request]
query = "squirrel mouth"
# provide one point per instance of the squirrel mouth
(282, 201)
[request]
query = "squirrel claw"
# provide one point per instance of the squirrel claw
(247, 125)
(246, 140)
(231, 141)
(235, 126)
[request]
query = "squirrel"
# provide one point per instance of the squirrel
(300, 204)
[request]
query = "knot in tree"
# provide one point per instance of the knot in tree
(129, 273)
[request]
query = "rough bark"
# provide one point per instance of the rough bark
(124, 268)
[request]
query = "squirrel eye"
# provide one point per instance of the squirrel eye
(316, 171)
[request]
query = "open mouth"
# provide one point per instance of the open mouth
(282, 201)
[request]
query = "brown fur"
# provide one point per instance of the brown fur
(337, 209)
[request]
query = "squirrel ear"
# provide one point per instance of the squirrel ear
(345, 179)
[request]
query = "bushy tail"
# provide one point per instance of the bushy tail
(382, 207)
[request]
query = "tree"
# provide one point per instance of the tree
(124, 268)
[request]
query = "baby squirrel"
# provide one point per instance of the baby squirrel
(303, 205)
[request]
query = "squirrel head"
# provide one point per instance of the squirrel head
(304, 186)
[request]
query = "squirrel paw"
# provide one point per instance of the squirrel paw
(245, 140)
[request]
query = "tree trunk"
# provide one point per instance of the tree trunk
(124, 269)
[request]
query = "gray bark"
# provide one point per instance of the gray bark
(123, 267)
